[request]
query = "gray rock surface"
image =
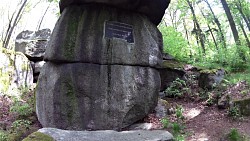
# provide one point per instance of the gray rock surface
(209, 79)
(32, 44)
(107, 135)
(154, 10)
(82, 96)
(169, 72)
(79, 38)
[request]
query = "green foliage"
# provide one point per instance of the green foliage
(177, 89)
(174, 43)
(37, 136)
(20, 125)
(165, 122)
(179, 112)
(234, 112)
(3, 136)
(233, 78)
(234, 135)
(22, 109)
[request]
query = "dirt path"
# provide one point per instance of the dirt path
(205, 123)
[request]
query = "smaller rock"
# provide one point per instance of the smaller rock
(243, 105)
(170, 71)
(224, 101)
(141, 126)
(211, 78)
(33, 44)
(107, 135)
(163, 109)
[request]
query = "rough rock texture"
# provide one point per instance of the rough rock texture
(82, 96)
(101, 69)
(107, 135)
(76, 39)
(154, 10)
(170, 71)
(210, 78)
(243, 105)
(32, 44)
(15, 72)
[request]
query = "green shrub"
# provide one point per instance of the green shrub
(177, 88)
(3, 136)
(234, 135)
(20, 125)
(22, 109)
(165, 122)
(234, 112)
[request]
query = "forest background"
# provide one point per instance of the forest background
(205, 33)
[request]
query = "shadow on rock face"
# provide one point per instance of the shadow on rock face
(154, 10)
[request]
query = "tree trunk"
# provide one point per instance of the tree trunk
(186, 31)
(12, 27)
(210, 30)
(198, 31)
(245, 34)
(233, 28)
(41, 20)
(243, 15)
(218, 25)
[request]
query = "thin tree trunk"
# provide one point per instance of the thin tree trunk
(186, 31)
(243, 15)
(41, 20)
(233, 28)
(9, 33)
(198, 30)
(218, 25)
(8, 29)
(245, 34)
(210, 30)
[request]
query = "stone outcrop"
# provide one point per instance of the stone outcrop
(33, 45)
(209, 79)
(107, 135)
(101, 70)
(169, 72)
(154, 10)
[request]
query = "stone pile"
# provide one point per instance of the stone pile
(101, 70)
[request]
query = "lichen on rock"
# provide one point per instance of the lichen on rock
(38, 136)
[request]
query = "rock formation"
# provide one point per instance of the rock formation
(33, 45)
(101, 70)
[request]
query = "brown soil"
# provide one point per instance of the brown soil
(209, 123)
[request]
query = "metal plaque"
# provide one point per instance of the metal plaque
(119, 30)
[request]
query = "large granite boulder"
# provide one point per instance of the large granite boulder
(84, 40)
(90, 96)
(101, 69)
(154, 10)
(105, 135)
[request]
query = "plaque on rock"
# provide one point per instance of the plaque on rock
(119, 30)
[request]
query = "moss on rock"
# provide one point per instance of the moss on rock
(37, 136)
(172, 64)
(244, 106)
